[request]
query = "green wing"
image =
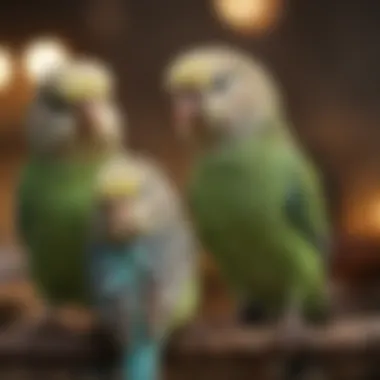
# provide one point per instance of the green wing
(24, 207)
(305, 209)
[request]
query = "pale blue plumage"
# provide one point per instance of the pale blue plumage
(142, 284)
(119, 277)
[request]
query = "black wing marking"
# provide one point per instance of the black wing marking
(297, 212)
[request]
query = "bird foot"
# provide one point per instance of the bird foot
(78, 320)
(253, 314)
(44, 325)
(197, 330)
(291, 331)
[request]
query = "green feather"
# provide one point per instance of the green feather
(55, 206)
(307, 217)
(238, 196)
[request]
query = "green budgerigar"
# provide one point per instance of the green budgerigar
(255, 196)
(74, 125)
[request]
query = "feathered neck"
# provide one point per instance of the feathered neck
(79, 158)
(270, 128)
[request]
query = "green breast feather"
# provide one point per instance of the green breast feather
(259, 210)
(55, 204)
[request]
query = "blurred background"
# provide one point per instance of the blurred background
(325, 53)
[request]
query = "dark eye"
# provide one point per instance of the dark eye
(221, 83)
(55, 102)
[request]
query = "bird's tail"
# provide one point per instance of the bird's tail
(142, 362)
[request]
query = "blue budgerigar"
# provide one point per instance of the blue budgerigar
(142, 263)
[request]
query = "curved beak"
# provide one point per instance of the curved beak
(93, 119)
(86, 119)
(118, 220)
(186, 111)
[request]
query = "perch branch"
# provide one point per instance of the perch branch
(343, 336)
(349, 336)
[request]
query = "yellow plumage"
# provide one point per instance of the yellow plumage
(119, 179)
(83, 80)
(187, 306)
(194, 72)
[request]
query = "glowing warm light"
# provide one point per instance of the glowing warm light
(363, 218)
(373, 216)
(6, 69)
(42, 56)
(248, 15)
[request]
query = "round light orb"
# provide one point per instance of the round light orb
(6, 68)
(248, 16)
(42, 56)
(362, 215)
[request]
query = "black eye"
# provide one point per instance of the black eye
(221, 83)
(55, 102)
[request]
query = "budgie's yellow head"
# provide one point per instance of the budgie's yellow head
(81, 81)
(75, 109)
(120, 179)
(127, 193)
(218, 90)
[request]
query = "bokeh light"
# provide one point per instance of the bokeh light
(248, 16)
(362, 214)
(6, 68)
(43, 55)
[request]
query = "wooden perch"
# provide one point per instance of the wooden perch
(342, 336)
(345, 350)
(350, 336)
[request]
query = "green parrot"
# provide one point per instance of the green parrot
(73, 126)
(254, 194)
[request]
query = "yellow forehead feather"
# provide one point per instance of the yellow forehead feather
(82, 81)
(197, 67)
(119, 180)
(119, 188)
(189, 71)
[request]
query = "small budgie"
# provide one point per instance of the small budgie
(254, 194)
(142, 263)
(73, 126)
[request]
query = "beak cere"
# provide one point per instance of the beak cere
(186, 111)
